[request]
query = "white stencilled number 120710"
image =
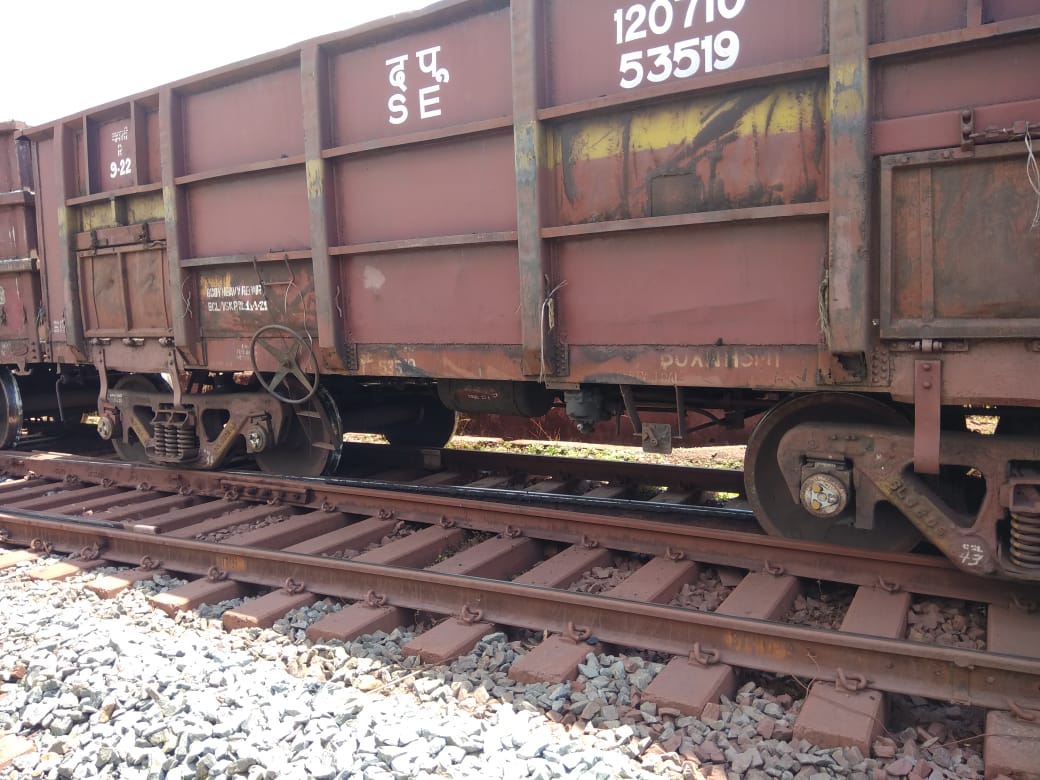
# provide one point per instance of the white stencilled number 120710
(704, 53)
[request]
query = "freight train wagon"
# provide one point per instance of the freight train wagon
(824, 211)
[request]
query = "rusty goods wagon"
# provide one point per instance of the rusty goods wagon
(823, 211)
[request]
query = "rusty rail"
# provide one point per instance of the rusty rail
(720, 480)
(927, 575)
(966, 676)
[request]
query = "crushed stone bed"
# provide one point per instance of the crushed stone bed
(116, 689)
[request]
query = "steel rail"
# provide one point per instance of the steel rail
(721, 480)
(546, 500)
(969, 677)
(517, 496)
(924, 574)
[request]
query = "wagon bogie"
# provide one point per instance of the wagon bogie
(209, 421)
(147, 421)
(980, 509)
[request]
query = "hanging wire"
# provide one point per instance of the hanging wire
(1033, 174)
(823, 306)
(186, 298)
(547, 313)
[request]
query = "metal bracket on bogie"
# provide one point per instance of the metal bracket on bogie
(1001, 537)
(201, 431)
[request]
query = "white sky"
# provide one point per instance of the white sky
(58, 57)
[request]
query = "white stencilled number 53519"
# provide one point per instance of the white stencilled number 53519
(686, 58)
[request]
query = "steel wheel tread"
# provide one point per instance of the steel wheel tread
(13, 412)
(313, 443)
(133, 451)
(771, 500)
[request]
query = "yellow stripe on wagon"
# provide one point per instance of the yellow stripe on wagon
(743, 114)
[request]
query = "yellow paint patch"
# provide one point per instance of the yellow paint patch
(315, 179)
(528, 145)
(145, 208)
(136, 208)
(783, 110)
(170, 204)
(94, 216)
(848, 90)
(207, 283)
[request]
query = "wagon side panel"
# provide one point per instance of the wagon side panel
(688, 222)
(713, 193)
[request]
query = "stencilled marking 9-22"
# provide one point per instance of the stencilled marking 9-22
(683, 59)
(123, 165)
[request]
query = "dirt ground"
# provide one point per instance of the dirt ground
(720, 456)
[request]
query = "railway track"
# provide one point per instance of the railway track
(561, 480)
(392, 554)
(569, 473)
(703, 495)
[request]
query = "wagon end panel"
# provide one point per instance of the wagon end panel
(103, 236)
(52, 318)
(961, 246)
(17, 202)
(955, 112)
(123, 284)
(20, 295)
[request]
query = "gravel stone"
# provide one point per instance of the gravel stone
(116, 689)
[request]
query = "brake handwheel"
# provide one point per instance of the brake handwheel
(286, 347)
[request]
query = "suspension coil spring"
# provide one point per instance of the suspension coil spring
(1025, 540)
(187, 442)
(159, 439)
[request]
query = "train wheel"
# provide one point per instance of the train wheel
(434, 427)
(313, 443)
(12, 410)
(771, 500)
(133, 450)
